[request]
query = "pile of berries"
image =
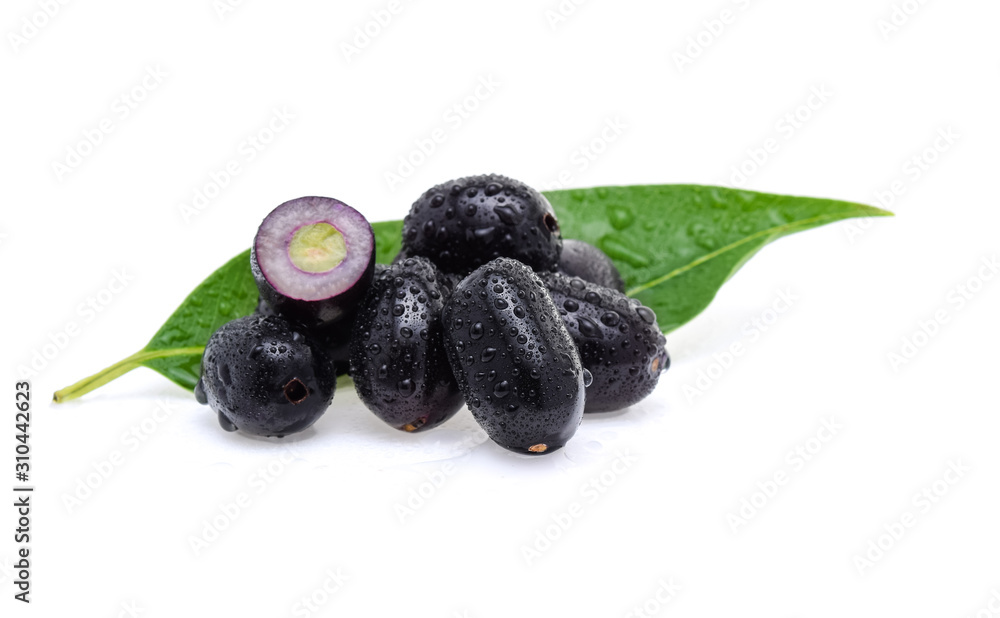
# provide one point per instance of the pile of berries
(485, 305)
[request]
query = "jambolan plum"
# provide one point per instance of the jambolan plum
(584, 260)
(263, 376)
(335, 337)
(464, 223)
(618, 339)
(312, 259)
(513, 358)
(398, 359)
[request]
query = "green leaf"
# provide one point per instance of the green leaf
(388, 240)
(175, 350)
(675, 245)
(227, 294)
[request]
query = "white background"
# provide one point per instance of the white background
(334, 498)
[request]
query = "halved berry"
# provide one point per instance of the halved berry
(312, 259)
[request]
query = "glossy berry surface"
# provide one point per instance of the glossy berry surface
(333, 338)
(618, 339)
(398, 360)
(464, 223)
(515, 362)
(584, 260)
(264, 377)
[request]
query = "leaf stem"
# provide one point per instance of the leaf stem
(117, 370)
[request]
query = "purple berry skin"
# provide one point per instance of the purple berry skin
(310, 298)
(263, 376)
(464, 223)
(398, 361)
(618, 339)
(513, 358)
(584, 260)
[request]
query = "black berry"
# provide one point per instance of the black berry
(464, 223)
(264, 377)
(584, 260)
(618, 338)
(514, 360)
(398, 360)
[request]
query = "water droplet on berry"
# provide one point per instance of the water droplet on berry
(476, 330)
(507, 214)
(646, 314)
(406, 387)
(501, 389)
(589, 329)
